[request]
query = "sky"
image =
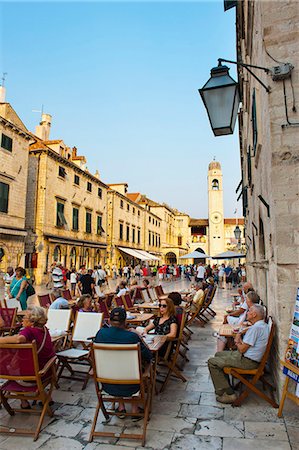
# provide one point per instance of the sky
(121, 81)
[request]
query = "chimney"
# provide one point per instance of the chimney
(2, 94)
(43, 129)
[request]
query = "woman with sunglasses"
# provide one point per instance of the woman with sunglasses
(166, 324)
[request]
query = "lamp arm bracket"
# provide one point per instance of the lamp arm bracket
(246, 66)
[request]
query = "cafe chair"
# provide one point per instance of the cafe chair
(19, 362)
(45, 300)
(12, 303)
(9, 316)
(59, 320)
(128, 302)
(120, 364)
(170, 359)
(138, 295)
(250, 378)
(66, 294)
(103, 307)
(147, 295)
(86, 326)
(159, 291)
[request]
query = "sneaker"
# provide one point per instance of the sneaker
(226, 398)
(215, 334)
(121, 414)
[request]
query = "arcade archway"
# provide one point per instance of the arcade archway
(170, 258)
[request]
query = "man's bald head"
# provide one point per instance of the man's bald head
(247, 286)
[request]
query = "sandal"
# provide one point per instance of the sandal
(26, 407)
(121, 414)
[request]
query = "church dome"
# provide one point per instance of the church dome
(214, 165)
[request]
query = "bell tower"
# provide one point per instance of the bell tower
(216, 213)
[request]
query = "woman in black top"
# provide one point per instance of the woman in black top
(166, 324)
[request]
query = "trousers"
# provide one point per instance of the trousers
(232, 358)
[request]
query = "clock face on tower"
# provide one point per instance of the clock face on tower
(216, 217)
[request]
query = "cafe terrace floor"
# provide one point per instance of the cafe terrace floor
(186, 416)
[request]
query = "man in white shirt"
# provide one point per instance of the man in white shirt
(250, 350)
(57, 276)
(10, 273)
(200, 273)
(100, 276)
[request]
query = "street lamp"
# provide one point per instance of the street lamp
(220, 96)
(237, 233)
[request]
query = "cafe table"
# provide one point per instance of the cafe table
(227, 330)
(154, 346)
(147, 305)
(139, 318)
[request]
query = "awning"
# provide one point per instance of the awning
(195, 255)
(148, 255)
(139, 254)
(229, 255)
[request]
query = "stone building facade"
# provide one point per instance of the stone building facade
(14, 141)
(267, 36)
(66, 209)
(129, 227)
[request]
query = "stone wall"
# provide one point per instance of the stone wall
(273, 242)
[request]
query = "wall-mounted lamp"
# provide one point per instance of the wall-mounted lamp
(220, 94)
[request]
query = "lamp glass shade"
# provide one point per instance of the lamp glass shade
(237, 232)
(220, 96)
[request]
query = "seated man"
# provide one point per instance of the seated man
(250, 350)
(59, 302)
(198, 298)
(117, 334)
(252, 298)
(236, 317)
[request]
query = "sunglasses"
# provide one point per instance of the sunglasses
(162, 306)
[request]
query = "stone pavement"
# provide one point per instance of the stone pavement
(186, 416)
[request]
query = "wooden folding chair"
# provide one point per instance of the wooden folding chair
(12, 303)
(118, 301)
(138, 295)
(9, 316)
(255, 374)
(159, 291)
(120, 364)
(128, 302)
(109, 299)
(147, 295)
(104, 309)
(19, 362)
(45, 300)
(170, 359)
(86, 326)
(66, 294)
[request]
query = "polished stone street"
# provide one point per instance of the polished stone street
(186, 416)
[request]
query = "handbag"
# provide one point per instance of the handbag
(30, 290)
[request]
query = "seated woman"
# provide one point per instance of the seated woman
(34, 322)
(166, 324)
(85, 304)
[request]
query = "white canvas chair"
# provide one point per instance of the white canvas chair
(120, 364)
(59, 319)
(13, 303)
(152, 293)
(86, 326)
(146, 295)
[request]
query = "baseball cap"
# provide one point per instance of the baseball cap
(118, 315)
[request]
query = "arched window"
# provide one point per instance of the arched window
(98, 257)
(73, 257)
(2, 253)
(215, 185)
(57, 253)
(86, 258)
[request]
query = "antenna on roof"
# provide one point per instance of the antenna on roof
(3, 78)
(214, 159)
(41, 111)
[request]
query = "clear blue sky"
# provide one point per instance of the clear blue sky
(120, 80)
